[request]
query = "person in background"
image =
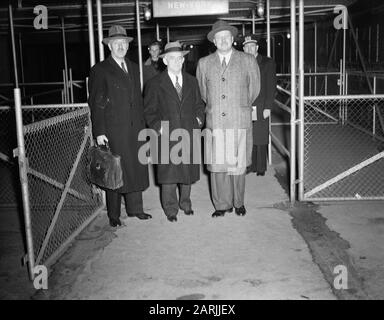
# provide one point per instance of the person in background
(153, 65)
(263, 105)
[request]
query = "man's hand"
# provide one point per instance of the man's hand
(199, 121)
(101, 140)
(266, 113)
(161, 131)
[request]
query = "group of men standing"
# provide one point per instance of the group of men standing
(227, 85)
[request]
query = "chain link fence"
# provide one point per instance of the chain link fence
(9, 188)
(343, 147)
(61, 199)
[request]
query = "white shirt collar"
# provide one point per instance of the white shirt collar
(119, 63)
(227, 56)
(173, 78)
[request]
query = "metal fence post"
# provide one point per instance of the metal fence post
(24, 181)
(301, 102)
(374, 109)
(292, 191)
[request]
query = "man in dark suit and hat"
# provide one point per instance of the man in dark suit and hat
(173, 106)
(117, 117)
(263, 105)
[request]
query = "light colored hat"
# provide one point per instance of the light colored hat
(250, 39)
(116, 32)
(173, 47)
(221, 25)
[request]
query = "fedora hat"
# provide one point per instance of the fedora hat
(116, 32)
(250, 39)
(221, 25)
(173, 47)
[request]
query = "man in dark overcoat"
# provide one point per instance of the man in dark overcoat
(263, 105)
(117, 117)
(173, 106)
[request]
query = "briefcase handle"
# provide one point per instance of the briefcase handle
(105, 146)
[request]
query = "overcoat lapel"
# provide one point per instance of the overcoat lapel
(187, 88)
(216, 63)
(120, 72)
(167, 85)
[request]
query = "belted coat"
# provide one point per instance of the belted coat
(228, 94)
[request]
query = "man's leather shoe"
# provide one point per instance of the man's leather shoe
(221, 213)
(172, 218)
(240, 211)
(144, 216)
(141, 216)
(189, 212)
(114, 222)
(261, 173)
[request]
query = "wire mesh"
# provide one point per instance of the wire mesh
(343, 142)
(9, 190)
(61, 197)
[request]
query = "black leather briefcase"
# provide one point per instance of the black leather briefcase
(104, 168)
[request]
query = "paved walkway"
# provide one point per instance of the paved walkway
(258, 256)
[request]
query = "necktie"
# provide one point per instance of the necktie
(178, 88)
(224, 63)
(123, 67)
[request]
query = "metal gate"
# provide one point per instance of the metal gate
(58, 200)
(343, 148)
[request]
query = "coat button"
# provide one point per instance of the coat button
(223, 79)
(223, 114)
(223, 96)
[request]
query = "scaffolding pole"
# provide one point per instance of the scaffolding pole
(66, 87)
(292, 193)
(22, 159)
(301, 101)
(315, 59)
(253, 22)
(268, 29)
(168, 35)
(21, 63)
(13, 46)
(100, 29)
(157, 32)
(139, 43)
(344, 57)
(91, 34)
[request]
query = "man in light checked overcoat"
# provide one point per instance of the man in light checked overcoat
(229, 82)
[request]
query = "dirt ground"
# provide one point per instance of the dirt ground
(276, 251)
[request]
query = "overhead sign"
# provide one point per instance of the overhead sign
(178, 8)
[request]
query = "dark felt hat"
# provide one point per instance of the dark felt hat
(173, 47)
(116, 32)
(221, 25)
